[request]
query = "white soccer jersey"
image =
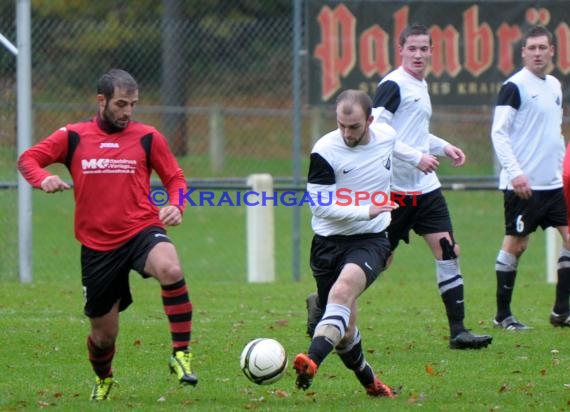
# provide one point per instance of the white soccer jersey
(339, 174)
(403, 101)
(527, 130)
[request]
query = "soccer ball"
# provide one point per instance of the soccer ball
(263, 361)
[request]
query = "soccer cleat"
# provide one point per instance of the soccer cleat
(510, 323)
(102, 388)
(306, 370)
(180, 364)
(314, 313)
(377, 388)
(561, 321)
(467, 340)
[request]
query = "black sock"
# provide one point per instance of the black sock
(561, 305)
(505, 288)
(319, 349)
(354, 360)
(453, 299)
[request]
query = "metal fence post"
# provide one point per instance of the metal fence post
(217, 138)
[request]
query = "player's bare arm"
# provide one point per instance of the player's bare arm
(521, 187)
(428, 163)
(455, 154)
(375, 210)
(170, 215)
(52, 184)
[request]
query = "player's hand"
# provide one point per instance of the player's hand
(52, 184)
(376, 210)
(170, 215)
(428, 163)
(455, 154)
(521, 187)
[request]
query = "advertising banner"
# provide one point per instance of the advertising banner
(476, 44)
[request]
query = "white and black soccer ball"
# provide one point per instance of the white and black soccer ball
(263, 361)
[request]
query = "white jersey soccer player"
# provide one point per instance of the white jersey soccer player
(529, 106)
(527, 137)
(402, 100)
(406, 106)
(350, 246)
(343, 170)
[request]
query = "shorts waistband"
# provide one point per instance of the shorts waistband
(382, 234)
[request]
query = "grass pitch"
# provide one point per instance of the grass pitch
(42, 329)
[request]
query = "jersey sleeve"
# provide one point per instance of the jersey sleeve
(322, 181)
(33, 161)
(386, 101)
(437, 145)
(407, 153)
(508, 104)
(170, 174)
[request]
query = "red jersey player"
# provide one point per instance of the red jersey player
(110, 159)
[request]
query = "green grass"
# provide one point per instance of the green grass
(42, 329)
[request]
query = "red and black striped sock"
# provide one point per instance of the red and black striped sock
(101, 359)
(178, 308)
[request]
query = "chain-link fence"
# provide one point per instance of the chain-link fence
(215, 77)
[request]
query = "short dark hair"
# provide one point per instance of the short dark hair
(413, 30)
(537, 31)
(353, 97)
(115, 78)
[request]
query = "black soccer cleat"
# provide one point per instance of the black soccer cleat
(560, 321)
(314, 313)
(467, 340)
(510, 323)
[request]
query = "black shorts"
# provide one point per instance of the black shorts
(425, 214)
(544, 208)
(105, 275)
(329, 254)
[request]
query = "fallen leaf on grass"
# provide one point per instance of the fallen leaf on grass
(430, 370)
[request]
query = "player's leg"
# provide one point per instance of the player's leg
(558, 214)
(161, 262)
(434, 224)
(101, 349)
(375, 254)
(451, 289)
(560, 315)
(314, 313)
(104, 276)
(521, 219)
(334, 323)
(506, 271)
(350, 352)
(314, 309)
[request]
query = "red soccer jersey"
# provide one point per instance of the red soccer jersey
(566, 182)
(111, 178)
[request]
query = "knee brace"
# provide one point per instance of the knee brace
(447, 248)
